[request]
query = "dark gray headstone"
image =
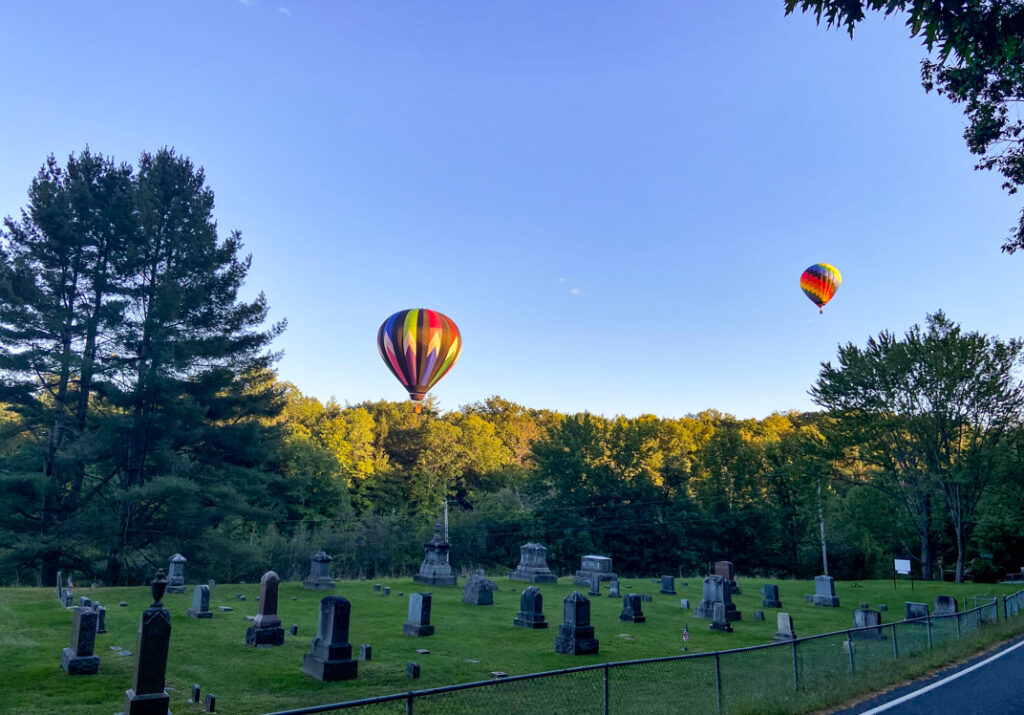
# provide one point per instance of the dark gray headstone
(871, 620)
(717, 590)
(147, 694)
(533, 565)
(825, 592)
(593, 565)
(176, 574)
(195, 693)
(60, 587)
(668, 585)
(294, 630)
(376, 588)
(365, 652)
(594, 586)
(412, 669)
(211, 703)
(719, 622)
(646, 597)
(266, 630)
(330, 656)
(684, 603)
(387, 590)
(758, 615)
(883, 607)
(613, 589)
(101, 618)
(575, 634)
(785, 630)
(632, 609)
(771, 596)
(435, 569)
(200, 603)
(531, 609)
(78, 658)
(419, 616)
(479, 590)
(946, 606)
(84, 602)
(319, 578)
(123, 604)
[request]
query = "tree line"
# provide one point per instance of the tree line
(142, 416)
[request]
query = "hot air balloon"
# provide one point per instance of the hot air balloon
(820, 282)
(419, 346)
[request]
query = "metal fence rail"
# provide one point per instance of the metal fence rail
(706, 682)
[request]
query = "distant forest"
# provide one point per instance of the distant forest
(142, 416)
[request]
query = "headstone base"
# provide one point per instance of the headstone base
(724, 627)
(435, 580)
(152, 704)
(826, 601)
(529, 620)
(411, 629)
(584, 578)
(706, 609)
(576, 640)
(264, 637)
(533, 576)
(192, 613)
(329, 670)
(79, 665)
(175, 589)
(316, 584)
(771, 604)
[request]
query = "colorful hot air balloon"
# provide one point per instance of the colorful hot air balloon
(819, 283)
(419, 346)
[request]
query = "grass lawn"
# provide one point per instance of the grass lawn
(248, 680)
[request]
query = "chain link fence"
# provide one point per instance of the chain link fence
(727, 681)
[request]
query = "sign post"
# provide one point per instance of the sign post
(901, 565)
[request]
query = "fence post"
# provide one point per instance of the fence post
(995, 607)
(408, 703)
(605, 689)
(718, 681)
(849, 647)
(1006, 616)
(929, 622)
(895, 648)
(958, 636)
(796, 672)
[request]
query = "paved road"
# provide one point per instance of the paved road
(992, 684)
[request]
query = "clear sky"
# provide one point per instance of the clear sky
(613, 200)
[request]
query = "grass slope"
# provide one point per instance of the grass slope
(34, 629)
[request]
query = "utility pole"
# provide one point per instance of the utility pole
(821, 522)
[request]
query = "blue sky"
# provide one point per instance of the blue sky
(614, 201)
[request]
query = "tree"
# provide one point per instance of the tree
(932, 415)
(980, 64)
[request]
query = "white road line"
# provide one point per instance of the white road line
(922, 691)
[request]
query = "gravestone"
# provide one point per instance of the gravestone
(613, 589)
(531, 611)
(717, 590)
(946, 606)
(758, 615)
(376, 588)
(632, 609)
(866, 618)
(646, 597)
(419, 616)
(600, 566)
(319, 578)
(60, 587)
(916, 610)
(387, 590)
(200, 603)
(726, 570)
(211, 583)
(84, 602)
(101, 617)
(684, 603)
(78, 658)
(147, 695)
(771, 596)
(176, 574)
(195, 693)
(533, 565)
(883, 607)
(825, 592)
(294, 630)
(412, 669)
(435, 569)
(668, 585)
(784, 631)
(719, 622)
(211, 703)
(330, 656)
(479, 590)
(365, 652)
(266, 630)
(595, 586)
(575, 634)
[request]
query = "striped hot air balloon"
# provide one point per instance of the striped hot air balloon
(419, 346)
(819, 283)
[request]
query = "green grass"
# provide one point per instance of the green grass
(248, 680)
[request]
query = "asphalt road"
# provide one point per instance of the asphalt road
(992, 684)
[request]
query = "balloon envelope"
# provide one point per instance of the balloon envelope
(820, 282)
(419, 346)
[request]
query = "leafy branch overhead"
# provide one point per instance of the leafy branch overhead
(977, 49)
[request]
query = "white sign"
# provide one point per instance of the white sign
(902, 566)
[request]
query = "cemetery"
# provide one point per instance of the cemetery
(329, 660)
